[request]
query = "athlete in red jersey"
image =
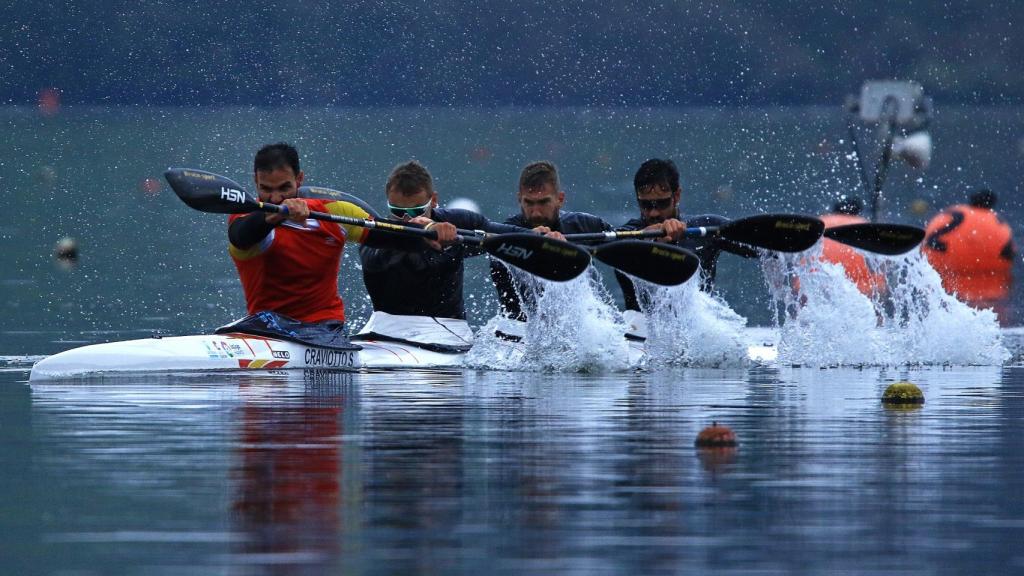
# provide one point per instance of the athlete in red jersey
(289, 264)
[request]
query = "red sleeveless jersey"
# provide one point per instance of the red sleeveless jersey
(294, 270)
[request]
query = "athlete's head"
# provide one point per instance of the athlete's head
(540, 196)
(656, 184)
(410, 191)
(983, 198)
(276, 172)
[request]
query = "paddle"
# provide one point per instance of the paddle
(663, 264)
(777, 232)
(888, 239)
(658, 263)
(321, 193)
(545, 257)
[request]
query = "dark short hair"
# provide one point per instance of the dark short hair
(656, 172)
(537, 174)
(848, 205)
(274, 156)
(409, 178)
(983, 198)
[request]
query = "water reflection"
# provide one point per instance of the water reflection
(467, 472)
(288, 470)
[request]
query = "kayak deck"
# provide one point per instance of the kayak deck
(232, 352)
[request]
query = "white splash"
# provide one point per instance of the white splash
(688, 327)
(929, 326)
(572, 327)
(824, 320)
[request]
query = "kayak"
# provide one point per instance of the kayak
(381, 348)
(232, 352)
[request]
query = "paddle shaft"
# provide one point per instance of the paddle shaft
(696, 232)
(371, 224)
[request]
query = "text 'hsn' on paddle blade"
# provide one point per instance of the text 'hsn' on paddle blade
(208, 192)
(545, 257)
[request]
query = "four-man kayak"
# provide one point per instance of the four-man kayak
(381, 347)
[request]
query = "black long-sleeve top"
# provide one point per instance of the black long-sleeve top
(423, 281)
(567, 223)
(707, 249)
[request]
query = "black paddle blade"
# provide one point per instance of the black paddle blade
(208, 192)
(541, 256)
(888, 239)
(664, 264)
(322, 193)
(778, 232)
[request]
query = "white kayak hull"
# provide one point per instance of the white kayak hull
(232, 352)
(220, 352)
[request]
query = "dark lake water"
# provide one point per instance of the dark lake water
(478, 471)
(472, 472)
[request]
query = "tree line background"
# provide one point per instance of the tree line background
(495, 53)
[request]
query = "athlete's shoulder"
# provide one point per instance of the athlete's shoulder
(459, 217)
(516, 220)
(706, 220)
(576, 222)
(632, 224)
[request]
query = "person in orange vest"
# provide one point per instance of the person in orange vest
(972, 249)
(847, 211)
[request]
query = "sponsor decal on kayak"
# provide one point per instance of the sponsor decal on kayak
(323, 358)
(282, 354)
(264, 364)
(224, 349)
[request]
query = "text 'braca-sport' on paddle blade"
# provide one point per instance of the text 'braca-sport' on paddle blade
(655, 262)
(888, 239)
(778, 232)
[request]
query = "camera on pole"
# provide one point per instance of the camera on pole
(900, 112)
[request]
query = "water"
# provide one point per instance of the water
(151, 264)
(464, 472)
(577, 471)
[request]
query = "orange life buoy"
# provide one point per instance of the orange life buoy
(972, 250)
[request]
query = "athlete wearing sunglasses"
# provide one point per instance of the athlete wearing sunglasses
(409, 212)
(426, 281)
(656, 185)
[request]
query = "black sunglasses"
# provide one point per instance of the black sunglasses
(657, 204)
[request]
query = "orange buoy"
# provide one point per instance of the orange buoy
(716, 436)
(972, 249)
(853, 263)
(49, 101)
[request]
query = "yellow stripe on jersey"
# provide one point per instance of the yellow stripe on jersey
(252, 251)
(248, 253)
(342, 208)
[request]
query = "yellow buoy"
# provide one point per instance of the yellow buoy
(903, 393)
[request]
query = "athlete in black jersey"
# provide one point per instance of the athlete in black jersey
(426, 281)
(540, 201)
(657, 189)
